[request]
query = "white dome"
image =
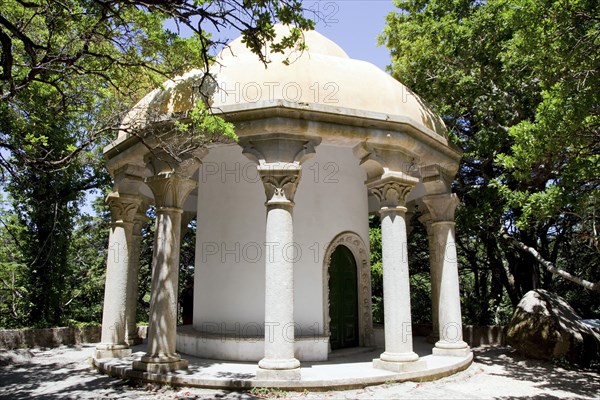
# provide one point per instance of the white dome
(322, 74)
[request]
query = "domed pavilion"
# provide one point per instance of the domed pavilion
(282, 267)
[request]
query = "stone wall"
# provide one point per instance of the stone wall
(50, 337)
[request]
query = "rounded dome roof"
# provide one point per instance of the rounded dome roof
(320, 74)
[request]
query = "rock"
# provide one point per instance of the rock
(545, 326)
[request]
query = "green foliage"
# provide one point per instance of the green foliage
(376, 270)
(13, 285)
(87, 265)
(517, 85)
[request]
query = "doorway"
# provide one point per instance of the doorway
(343, 299)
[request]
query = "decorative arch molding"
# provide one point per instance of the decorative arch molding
(361, 255)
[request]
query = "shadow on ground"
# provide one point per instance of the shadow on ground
(499, 373)
(546, 374)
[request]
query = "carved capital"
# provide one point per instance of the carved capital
(170, 190)
(185, 165)
(280, 181)
(391, 190)
(441, 206)
(123, 208)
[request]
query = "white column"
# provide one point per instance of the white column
(442, 207)
(139, 220)
(114, 316)
(280, 181)
(435, 276)
(398, 355)
(170, 191)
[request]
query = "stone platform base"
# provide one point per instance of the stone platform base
(345, 369)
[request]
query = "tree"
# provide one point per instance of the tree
(69, 72)
(13, 291)
(516, 83)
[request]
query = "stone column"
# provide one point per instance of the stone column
(435, 275)
(442, 207)
(139, 220)
(279, 157)
(114, 316)
(280, 181)
(170, 191)
(398, 356)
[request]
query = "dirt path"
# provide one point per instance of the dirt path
(497, 373)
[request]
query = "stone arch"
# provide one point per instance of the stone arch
(360, 251)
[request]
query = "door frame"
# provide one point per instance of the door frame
(360, 252)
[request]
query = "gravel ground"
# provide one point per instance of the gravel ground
(497, 373)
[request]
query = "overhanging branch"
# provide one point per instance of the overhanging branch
(595, 286)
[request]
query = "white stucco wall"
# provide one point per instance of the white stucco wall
(229, 279)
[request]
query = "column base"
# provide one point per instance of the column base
(400, 366)
(278, 374)
(112, 351)
(286, 363)
(160, 367)
(436, 351)
(399, 357)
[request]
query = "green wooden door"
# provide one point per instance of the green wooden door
(343, 299)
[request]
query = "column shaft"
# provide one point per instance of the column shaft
(396, 287)
(450, 321)
(279, 291)
(280, 182)
(114, 316)
(165, 275)
(398, 356)
(132, 336)
(442, 207)
(170, 191)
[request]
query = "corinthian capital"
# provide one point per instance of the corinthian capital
(170, 190)
(441, 206)
(391, 190)
(123, 208)
(280, 180)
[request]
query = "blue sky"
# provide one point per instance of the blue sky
(352, 24)
(355, 25)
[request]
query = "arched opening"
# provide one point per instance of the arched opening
(343, 299)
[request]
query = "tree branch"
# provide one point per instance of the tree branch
(549, 266)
